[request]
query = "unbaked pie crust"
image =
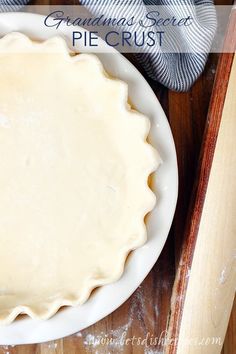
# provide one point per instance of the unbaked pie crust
(73, 184)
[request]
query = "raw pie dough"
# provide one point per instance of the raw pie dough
(73, 184)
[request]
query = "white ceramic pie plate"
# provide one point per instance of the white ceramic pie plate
(107, 298)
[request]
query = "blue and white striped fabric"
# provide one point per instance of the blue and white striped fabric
(12, 5)
(177, 71)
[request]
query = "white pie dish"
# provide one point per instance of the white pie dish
(109, 297)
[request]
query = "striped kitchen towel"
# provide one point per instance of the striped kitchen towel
(177, 71)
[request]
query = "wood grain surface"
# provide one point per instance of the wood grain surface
(146, 313)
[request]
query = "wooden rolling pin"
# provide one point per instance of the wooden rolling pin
(206, 279)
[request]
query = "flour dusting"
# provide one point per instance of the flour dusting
(222, 276)
(152, 351)
(4, 121)
(52, 345)
(117, 339)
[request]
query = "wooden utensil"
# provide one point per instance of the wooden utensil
(205, 284)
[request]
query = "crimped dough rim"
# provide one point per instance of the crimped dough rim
(48, 307)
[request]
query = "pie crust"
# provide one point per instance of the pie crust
(74, 175)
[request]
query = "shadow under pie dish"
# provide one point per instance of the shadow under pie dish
(74, 189)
